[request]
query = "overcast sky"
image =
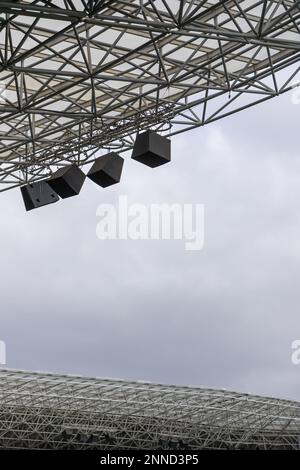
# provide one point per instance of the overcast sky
(222, 317)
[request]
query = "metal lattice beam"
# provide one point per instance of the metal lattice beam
(66, 412)
(83, 76)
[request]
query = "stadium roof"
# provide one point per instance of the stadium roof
(42, 410)
(79, 76)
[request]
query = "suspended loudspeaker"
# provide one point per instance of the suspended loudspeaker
(152, 149)
(107, 170)
(37, 195)
(67, 181)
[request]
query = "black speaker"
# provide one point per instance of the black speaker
(152, 149)
(37, 195)
(67, 181)
(107, 170)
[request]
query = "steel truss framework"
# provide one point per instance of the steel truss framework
(40, 410)
(79, 76)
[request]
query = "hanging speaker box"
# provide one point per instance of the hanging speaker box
(152, 149)
(37, 195)
(67, 181)
(107, 170)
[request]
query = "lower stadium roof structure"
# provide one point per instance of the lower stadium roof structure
(48, 411)
(80, 76)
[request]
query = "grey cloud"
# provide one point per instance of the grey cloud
(222, 317)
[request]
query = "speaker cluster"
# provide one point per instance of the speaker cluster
(150, 148)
